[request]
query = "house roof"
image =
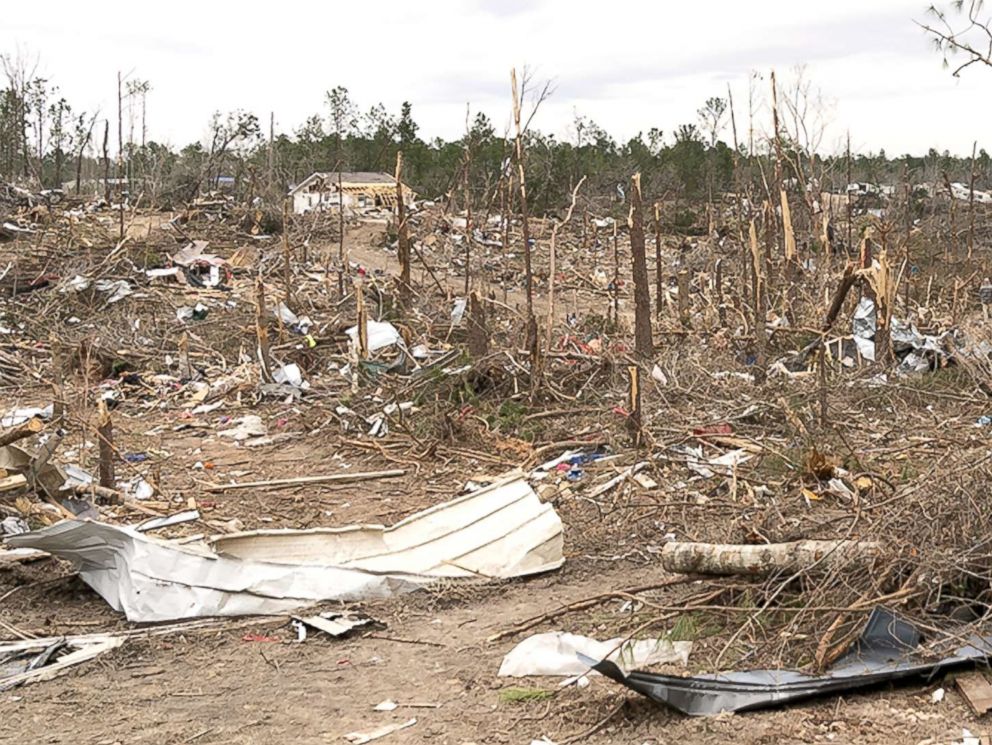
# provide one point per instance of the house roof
(348, 178)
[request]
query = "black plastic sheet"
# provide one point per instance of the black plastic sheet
(888, 649)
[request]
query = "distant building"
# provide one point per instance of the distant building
(319, 191)
(224, 183)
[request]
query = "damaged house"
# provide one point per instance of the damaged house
(319, 191)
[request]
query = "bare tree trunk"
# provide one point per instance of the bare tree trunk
(553, 257)
(261, 332)
(616, 277)
(759, 305)
(79, 153)
(58, 387)
(270, 155)
(402, 238)
(971, 204)
(721, 308)
(847, 190)
(468, 210)
(522, 175)
(634, 420)
(659, 290)
(643, 343)
(907, 248)
(120, 152)
(343, 268)
(287, 264)
(505, 208)
(363, 320)
(682, 277)
(106, 162)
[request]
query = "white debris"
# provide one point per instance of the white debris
(381, 334)
(291, 374)
(557, 653)
(250, 425)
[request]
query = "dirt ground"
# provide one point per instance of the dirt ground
(432, 659)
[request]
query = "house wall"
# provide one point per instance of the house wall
(310, 201)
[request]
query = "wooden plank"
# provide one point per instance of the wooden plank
(976, 691)
(10, 483)
(303, 480)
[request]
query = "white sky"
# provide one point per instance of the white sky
(628, 65)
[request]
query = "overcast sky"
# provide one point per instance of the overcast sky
(627, 65)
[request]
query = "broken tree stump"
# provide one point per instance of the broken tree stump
(105, 431)
(760, 560)
(682, 278)
(478, 331)
(261, 332)
(634, 423)
(363, 320)
(58, 386)
(402, 236)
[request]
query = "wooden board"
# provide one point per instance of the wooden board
(976, 691)
(10, 483)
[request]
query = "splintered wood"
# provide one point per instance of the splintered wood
(976, 690)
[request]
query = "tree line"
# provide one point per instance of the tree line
(46, 142)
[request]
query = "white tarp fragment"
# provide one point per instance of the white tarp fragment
(503, 530)
(381, 334)
(557, 653)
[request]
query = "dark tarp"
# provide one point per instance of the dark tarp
(887, 650)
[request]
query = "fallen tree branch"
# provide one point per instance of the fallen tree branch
(529, 623)
(337, 478)
(760, 560)
(31, 427)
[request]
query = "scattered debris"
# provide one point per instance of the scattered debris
(358, 738)
(29, 661)
(334, 624)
